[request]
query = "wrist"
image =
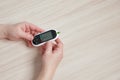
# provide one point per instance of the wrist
(48, 69)
(3, 31)
(46, 73)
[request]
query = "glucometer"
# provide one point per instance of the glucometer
(42, 38)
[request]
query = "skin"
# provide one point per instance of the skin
(52, 53)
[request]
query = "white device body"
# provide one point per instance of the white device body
(46, 41)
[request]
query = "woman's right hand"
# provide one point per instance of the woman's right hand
(52, 55)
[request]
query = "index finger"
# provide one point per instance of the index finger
(34, 27)
(59, 43)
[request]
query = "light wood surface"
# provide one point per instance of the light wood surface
(90, 31)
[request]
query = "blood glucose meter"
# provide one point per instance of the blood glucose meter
(42, 38)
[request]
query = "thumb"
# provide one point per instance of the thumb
(27, 36)
(48, 47)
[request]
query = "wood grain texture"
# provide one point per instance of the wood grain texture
(90, 30)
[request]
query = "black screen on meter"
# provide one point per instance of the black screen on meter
(44, 37)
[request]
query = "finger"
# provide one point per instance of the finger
(42, 48)
(41, 51)
(48, 47)
(26, 42)
(26, 36)
(59, 43)
(58, 47)
(30, 44)
(34, 27)
(33, 33)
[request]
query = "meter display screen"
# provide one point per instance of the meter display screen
(43, 37)
(46, 36)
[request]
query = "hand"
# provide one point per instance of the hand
(52, 55)
(23, 30)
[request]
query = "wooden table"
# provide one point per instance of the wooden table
(90, 31)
